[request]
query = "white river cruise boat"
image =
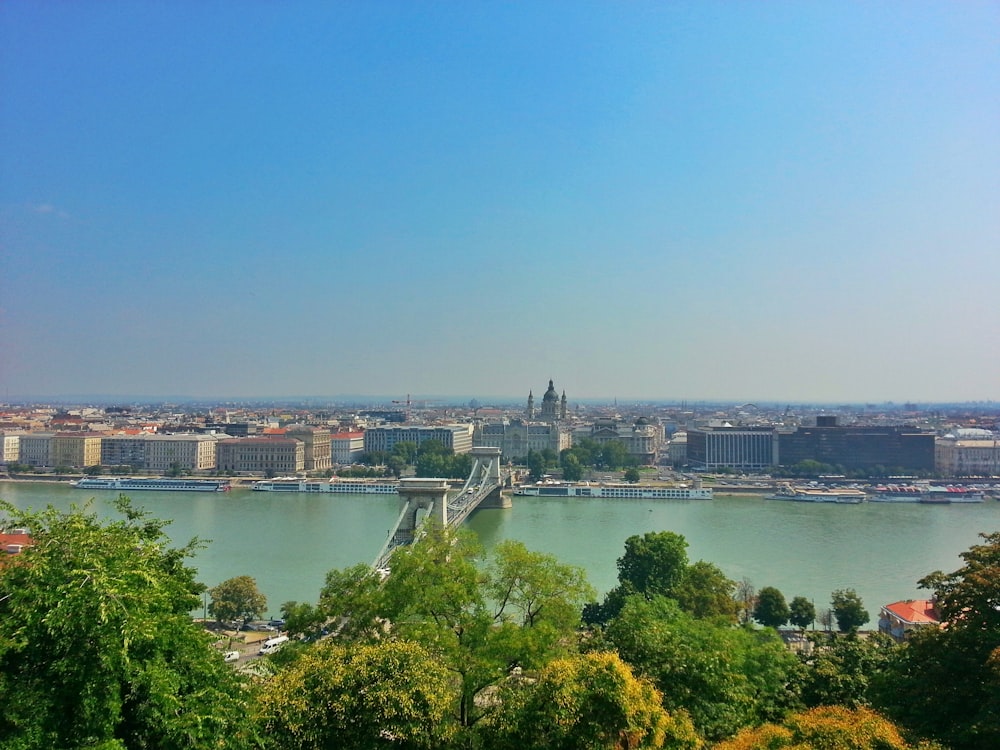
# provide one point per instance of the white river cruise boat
(624, 491)
(819, 495)
(334, 485)
(163, 484)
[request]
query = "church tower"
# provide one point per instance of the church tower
(531, 405)
(550, 404)
(562, 407)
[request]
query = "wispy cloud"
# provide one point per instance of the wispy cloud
(48, 208)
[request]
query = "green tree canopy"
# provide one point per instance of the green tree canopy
(358, 697)
(705, 591)
(97, 645)
(479, 620)
(842, 668)
(726, 678)
(849, 610)
(653, 563)
(771, 610)
(590, 702)
(801, 612)
(236, 599)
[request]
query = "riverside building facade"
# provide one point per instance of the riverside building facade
(743, 448)
(853, 447)
(457, 437)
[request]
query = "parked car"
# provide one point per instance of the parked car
(232, 656)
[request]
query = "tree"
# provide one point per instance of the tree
(97, 645)
(653, 563)
(945, 682)
(478, 620)
(589, 702)
(631, 475)
(705, 591)
(358, 697)
(849, 610)
(236, 599)
(842, 668)
(571, 467)
(829, 727)
(801, 612)
(746, 597)
(536, 464)
(771, 610)
(724, 677)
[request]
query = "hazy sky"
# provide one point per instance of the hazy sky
(735, 200)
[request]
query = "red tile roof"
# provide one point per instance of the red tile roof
(914, 611)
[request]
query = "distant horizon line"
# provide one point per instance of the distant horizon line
(430, 401)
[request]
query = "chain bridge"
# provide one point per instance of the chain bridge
(433, 500)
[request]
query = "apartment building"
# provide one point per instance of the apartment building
(346, 447)
(269, 456)
(76, 449)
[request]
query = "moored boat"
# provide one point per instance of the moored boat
(614, 490)
(162, 484)
(335, 485)
(819, 495)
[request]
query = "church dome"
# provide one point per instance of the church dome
(550, 394)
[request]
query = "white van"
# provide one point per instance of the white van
(273, 644)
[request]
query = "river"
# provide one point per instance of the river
(288, 542)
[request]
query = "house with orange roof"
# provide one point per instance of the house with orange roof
(899, 619)
(13, 542)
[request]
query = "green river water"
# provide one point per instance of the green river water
(288, 541)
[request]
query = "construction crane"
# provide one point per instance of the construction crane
(407, 402)
(421, 403)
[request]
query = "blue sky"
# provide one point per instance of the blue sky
(748, 201)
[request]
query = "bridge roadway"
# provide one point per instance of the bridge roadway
(423, 500)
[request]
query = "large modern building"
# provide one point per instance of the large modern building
(457, 437)
(893, 448)
(124, 450)
(743, 448)
(269, 456)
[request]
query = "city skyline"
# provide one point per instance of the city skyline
(780, 202)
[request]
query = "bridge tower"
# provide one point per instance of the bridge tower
(428, 495)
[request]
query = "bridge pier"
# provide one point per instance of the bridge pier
(497, 499)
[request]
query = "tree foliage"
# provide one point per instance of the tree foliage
(945, 683)
(519, 609)
(97, 645)
(358, 697)
(771, 610)
(725, 677)
(656, 564)
(826, 728)
(590, 702)
(236, 599)
(842, 668)
(849, 610)
(801, 612)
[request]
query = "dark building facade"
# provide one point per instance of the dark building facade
(905, 447)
